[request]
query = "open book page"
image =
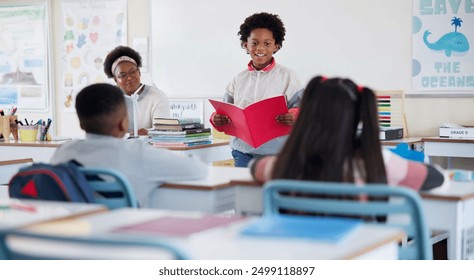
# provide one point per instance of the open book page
(256, 124)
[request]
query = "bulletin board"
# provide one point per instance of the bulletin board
(90, 29)
(24, 67)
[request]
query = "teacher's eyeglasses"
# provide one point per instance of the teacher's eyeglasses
(131, 73)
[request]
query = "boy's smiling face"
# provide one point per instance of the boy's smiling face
(261, 47)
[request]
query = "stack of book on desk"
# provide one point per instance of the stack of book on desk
(182, 132)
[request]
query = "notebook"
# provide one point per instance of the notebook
(178, 226)
(327, 229)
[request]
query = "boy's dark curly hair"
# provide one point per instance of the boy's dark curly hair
(118, 52)
(262, 20)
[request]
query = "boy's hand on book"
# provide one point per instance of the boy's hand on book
(288, 118)
(220, 120)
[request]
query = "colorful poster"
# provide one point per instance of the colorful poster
(90, 30)
(443, 42)
(23, 58)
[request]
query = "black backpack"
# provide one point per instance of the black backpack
(61, 182)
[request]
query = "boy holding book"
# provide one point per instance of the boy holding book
(261, 36)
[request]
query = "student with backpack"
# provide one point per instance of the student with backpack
(103, 115)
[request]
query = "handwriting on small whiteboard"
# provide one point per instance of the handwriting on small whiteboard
(186, 108)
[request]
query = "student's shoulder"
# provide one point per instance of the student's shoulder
(155, 92)
(284, 70)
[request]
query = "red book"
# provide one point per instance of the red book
(256, 123)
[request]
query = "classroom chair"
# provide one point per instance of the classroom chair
(22, 245)
(325, 198)
(113, 189)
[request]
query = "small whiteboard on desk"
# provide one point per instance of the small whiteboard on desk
(187, 108)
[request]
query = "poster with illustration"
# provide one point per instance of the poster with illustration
(23, 58)
(90, 29)
(443, 42)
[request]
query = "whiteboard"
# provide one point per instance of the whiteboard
(196, 50)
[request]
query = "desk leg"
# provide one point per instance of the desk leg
(446, 215)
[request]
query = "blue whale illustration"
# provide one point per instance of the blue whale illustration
(449, 42)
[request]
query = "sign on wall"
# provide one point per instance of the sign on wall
(90, 29)
(443, 42)
(23, 52)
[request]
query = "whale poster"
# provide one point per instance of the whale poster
(443, 46)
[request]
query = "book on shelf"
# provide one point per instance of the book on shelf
(179, 132)
(176, 121)
(178, 226)
(178, 127)
(256, 123)
(327, 229)
(390, 133)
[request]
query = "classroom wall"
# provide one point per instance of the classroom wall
(67, 124)
(423, 114)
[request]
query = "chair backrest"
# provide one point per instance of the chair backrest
(22, 245)
(111, 187)
(325, 198)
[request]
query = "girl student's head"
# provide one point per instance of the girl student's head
(336, 134)
(262, 35)
(123, 64)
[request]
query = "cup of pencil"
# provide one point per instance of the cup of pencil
(28, 133)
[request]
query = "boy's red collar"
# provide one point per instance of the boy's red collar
(265, 69)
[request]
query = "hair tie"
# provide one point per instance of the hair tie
(360, 89)
(323, 78)
(120, 59)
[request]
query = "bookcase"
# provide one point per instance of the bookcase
(391, 107)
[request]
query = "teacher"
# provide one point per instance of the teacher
(143, 102)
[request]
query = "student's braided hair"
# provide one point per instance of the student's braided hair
(336, 132)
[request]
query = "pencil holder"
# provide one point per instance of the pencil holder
(28, 133)
(8, 126)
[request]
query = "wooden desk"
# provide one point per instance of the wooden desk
(214, 194)
(452, 209)
(218, 150)
(226, 243)
(45, 211)
(448, 147)
(449, 209)
(42, 151)
(39, 151)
